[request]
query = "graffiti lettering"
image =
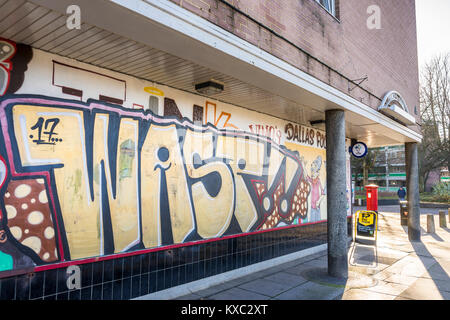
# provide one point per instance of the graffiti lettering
(298, 133)
(321, 140)
(124, 179)
(39, 125)
(269, 131)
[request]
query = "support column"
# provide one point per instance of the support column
(412, 185)
(336, 194)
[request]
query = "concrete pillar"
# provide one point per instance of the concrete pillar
(412, 185)
(442, 221)
(430, 224)
(336, 194)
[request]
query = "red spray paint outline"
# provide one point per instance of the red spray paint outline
(8, 61)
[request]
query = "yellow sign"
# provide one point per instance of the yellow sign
(366, 224)
(366, 218)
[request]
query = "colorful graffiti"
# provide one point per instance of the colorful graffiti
(267, 130)
(124, 166)
(91, 179)
(7, 51)
(318, 192)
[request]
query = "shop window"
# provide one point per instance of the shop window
(397, 169)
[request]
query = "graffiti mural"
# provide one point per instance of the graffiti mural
(91, 179)
(7, 51)
(88, 173)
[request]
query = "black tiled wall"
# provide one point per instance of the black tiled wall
(129, 277)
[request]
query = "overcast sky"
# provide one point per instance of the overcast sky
(433, 28)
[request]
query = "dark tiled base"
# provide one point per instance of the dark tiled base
(130, 277)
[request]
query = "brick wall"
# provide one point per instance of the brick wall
(335, 51)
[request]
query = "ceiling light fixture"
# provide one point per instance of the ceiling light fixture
(318, 124)
(210, 87)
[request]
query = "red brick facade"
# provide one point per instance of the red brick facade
(334, 50)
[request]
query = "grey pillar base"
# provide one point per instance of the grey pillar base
(338, 266)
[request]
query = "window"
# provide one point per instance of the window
(397, 169)
(330, 5)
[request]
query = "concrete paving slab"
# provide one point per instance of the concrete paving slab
(238, 294)
(403, 298)
(191, 296)
(435, 252)
(438, 272)
(368, 270)
(384, 274)
(311, 291)
(298, 270)
(430, 250)
(260, 274)
(445, 261)
(213, 290)
(318, 263)
(389, 288)
(364, 294)
(427, 289)
(265, 287)
(391, 254)
(412, 265)
(401, 279)
(288, 279)
(354, 279)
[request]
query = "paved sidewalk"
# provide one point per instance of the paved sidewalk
(405, 270)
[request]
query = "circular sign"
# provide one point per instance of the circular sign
(359, 150)
(3, 171)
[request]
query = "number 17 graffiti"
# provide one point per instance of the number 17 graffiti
(39, 125)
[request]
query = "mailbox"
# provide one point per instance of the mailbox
(372, 197)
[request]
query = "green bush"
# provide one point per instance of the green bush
(442, 189)
(441, 193)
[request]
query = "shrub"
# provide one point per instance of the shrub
(441, 192)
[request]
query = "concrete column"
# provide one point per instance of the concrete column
(336, 194)
(412, 185)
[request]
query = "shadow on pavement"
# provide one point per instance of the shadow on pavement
(433, 235)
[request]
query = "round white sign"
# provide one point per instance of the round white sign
(359, 149)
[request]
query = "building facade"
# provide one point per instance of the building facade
(189, 141)
(388, 172)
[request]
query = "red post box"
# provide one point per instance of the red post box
(372, 197)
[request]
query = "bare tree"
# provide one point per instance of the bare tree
(365, 165)
(434, 151)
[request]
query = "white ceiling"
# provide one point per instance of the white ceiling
(34, 25)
